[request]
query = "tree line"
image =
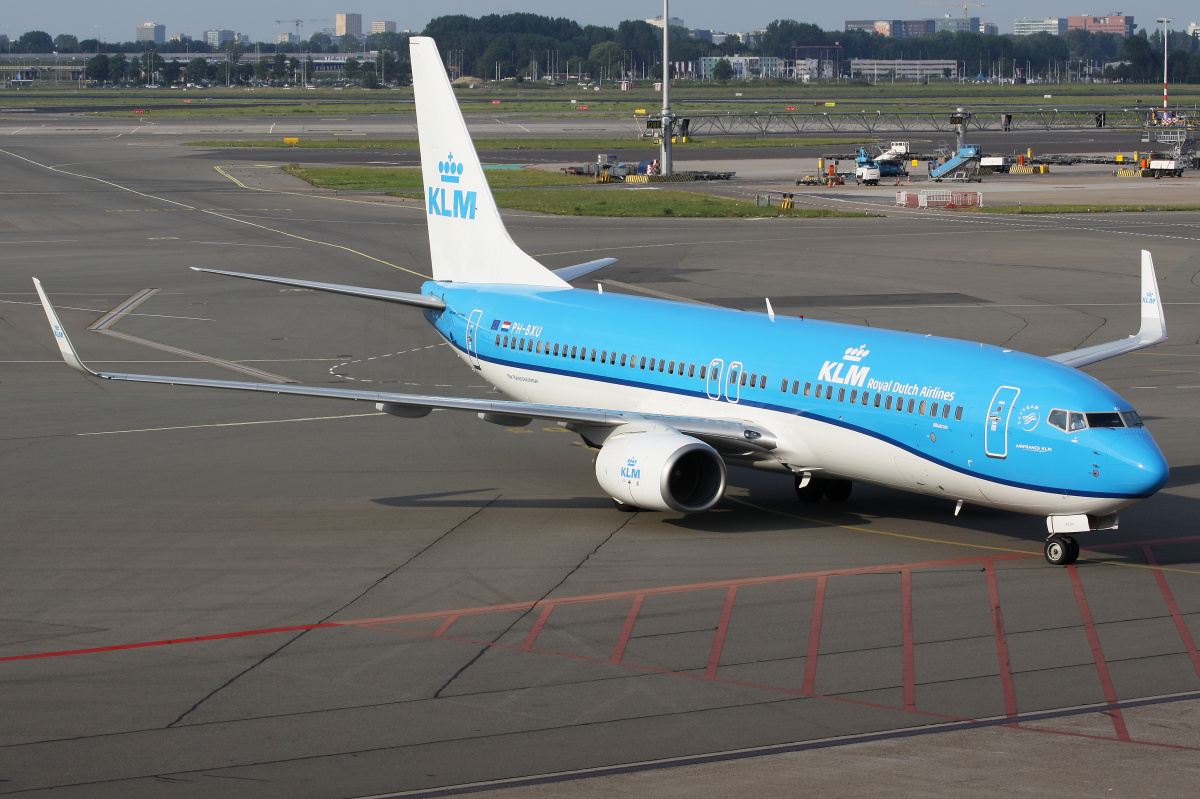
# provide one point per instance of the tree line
(525, 46)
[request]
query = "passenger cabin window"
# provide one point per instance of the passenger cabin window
(866, 396)
(958, 414)
(762, 383)
(841, 395)
(828, 392)
(933, 409)
(593, 355)
(877, 396)
(796, 387)
(783, 387)
(671, 368)
(911, 403)
(643, 362)
(506, 341)
(854, 396)
(497, 339)
(887, 406)
(691, 370)
(946, 411)
(703, 367)
(807, 386)
(921, 409)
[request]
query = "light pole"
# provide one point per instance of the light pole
(1164, 21)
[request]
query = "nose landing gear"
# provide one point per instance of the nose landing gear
(1061, 550)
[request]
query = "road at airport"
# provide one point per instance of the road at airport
(206, 592)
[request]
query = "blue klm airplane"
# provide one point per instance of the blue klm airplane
(670, 393)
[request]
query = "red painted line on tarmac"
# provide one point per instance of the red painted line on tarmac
(537, 627)
(170, 641)
(1006, 678)
(714, 657)
(771, 688)
(440, 631)
(1110, 694)
(1169, 598)
(626, 630)
(678, 589)
(814, 638)
(906, 621)
(523, 606)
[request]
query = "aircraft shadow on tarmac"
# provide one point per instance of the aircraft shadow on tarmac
(455, 499)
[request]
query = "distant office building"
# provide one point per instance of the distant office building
(719, 37)
(956, 24)
(872, 68)
(703, 34)
(217, 38)
(348, 24)
(151, 32)
(243, 38)
(383, 26)
(1194, 29)
(745, 67)
(177, 37)
(1116, 22)
(912, 27)
(287, 38)
(676, 22)
(989, 28)
(1027, 26)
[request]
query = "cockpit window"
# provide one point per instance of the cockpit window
(1131, 419)
(1068, 421)
(1109, 419)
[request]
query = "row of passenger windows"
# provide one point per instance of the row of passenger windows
(736, 376)
(884, 401)
(557, 350)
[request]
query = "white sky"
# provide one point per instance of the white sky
(115, 21)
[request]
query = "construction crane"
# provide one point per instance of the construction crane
(297, 23)
(966, 7)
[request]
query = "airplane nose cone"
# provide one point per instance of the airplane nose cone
(1141, 465)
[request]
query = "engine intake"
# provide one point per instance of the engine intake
(661, 471)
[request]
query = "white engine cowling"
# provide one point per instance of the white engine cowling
(661, 471)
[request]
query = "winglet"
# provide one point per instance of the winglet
(1153, 330)
(1154, 321)
(60, 334)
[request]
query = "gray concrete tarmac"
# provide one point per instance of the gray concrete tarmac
(208, 592)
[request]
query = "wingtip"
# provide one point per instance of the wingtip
(65, 347)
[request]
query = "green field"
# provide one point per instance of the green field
(409, 178)
(761, 96)
(552, 193)
(732, 142)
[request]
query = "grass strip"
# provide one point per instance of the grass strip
(1076, 209)
(409, 178)
(718, 143)
(616, 200)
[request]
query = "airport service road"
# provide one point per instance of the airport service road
(303, 598)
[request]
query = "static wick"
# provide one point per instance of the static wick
(599, 288)
(770, 310)
(958, 507)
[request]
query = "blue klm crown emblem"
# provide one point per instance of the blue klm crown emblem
(449, 169)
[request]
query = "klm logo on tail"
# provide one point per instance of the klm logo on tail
(463, 202)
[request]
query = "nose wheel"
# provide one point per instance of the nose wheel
(1061, 550)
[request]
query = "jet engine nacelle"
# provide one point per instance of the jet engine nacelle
(661, 471)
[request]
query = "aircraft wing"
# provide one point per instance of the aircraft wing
(1153, 330)
(404, 298)
(727, 435)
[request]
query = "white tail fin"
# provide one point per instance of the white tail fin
(467, 238)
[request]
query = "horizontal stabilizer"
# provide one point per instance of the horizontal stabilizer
(569, 273)
(1153, 330)
(419, 300)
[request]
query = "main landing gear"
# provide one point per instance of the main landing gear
(1061, 550)
(811, 489)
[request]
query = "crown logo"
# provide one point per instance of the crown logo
(857, 353)
(449, 169)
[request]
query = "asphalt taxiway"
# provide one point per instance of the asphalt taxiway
(212, 592)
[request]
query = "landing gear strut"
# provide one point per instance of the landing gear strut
(1061, 550)
(813, 488)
